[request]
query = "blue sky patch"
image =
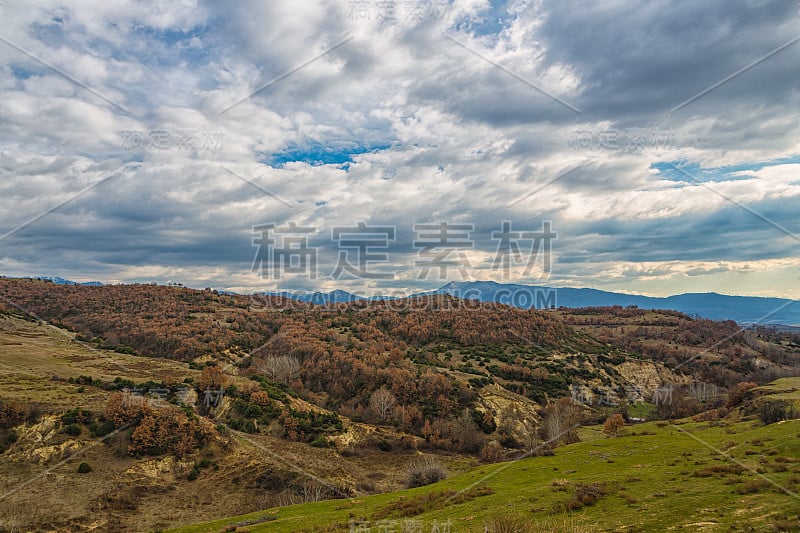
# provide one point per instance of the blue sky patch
(175, 45)
(316, 153)
(21, 73)
(715, 174)
(491, 21)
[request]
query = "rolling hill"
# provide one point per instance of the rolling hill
(222, 404)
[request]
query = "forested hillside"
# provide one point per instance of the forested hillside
(432, 354)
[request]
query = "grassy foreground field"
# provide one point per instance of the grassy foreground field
(653, 477)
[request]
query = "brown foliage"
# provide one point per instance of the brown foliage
(125, 409)
(338, 355)
(739, 392)
(169, 431)
(259, 398)
(212, 378)
(12, 413)
(587, 494)
(613, 424)
(491, 452)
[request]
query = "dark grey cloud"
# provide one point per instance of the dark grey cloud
(644, 59)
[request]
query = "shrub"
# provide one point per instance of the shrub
(101, 428)
(491, 452)
(722, 470)
(8, 437)
(72, 430)
(169, 431)
(589, 494)
(756, 485)
(84, 468)
(321, 442)
(76, 416)
(508, 441)
(784, 525)
(424, 472)
(773, 411)
(124, 409)
(613, 424)
(739, 393)
(586, 494)
(212, 378)
(560, 484)
(407, 442)
(423, 503)
(508, 524)
(307, 426)
(259, 398)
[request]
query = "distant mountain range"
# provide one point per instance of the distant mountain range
(62, 281)
(742, 309)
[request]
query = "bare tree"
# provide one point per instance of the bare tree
(314, 491)
(530, 436)
(280, 368)
(559, 421)
(287, 498)
(381, 403)
(551, 424)
(425, 471)
(467, 434)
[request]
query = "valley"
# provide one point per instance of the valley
(190, 406)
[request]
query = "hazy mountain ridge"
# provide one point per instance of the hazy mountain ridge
(714, 306)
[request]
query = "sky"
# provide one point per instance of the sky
(387, 147)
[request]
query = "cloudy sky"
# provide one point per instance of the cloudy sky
(144, 141)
